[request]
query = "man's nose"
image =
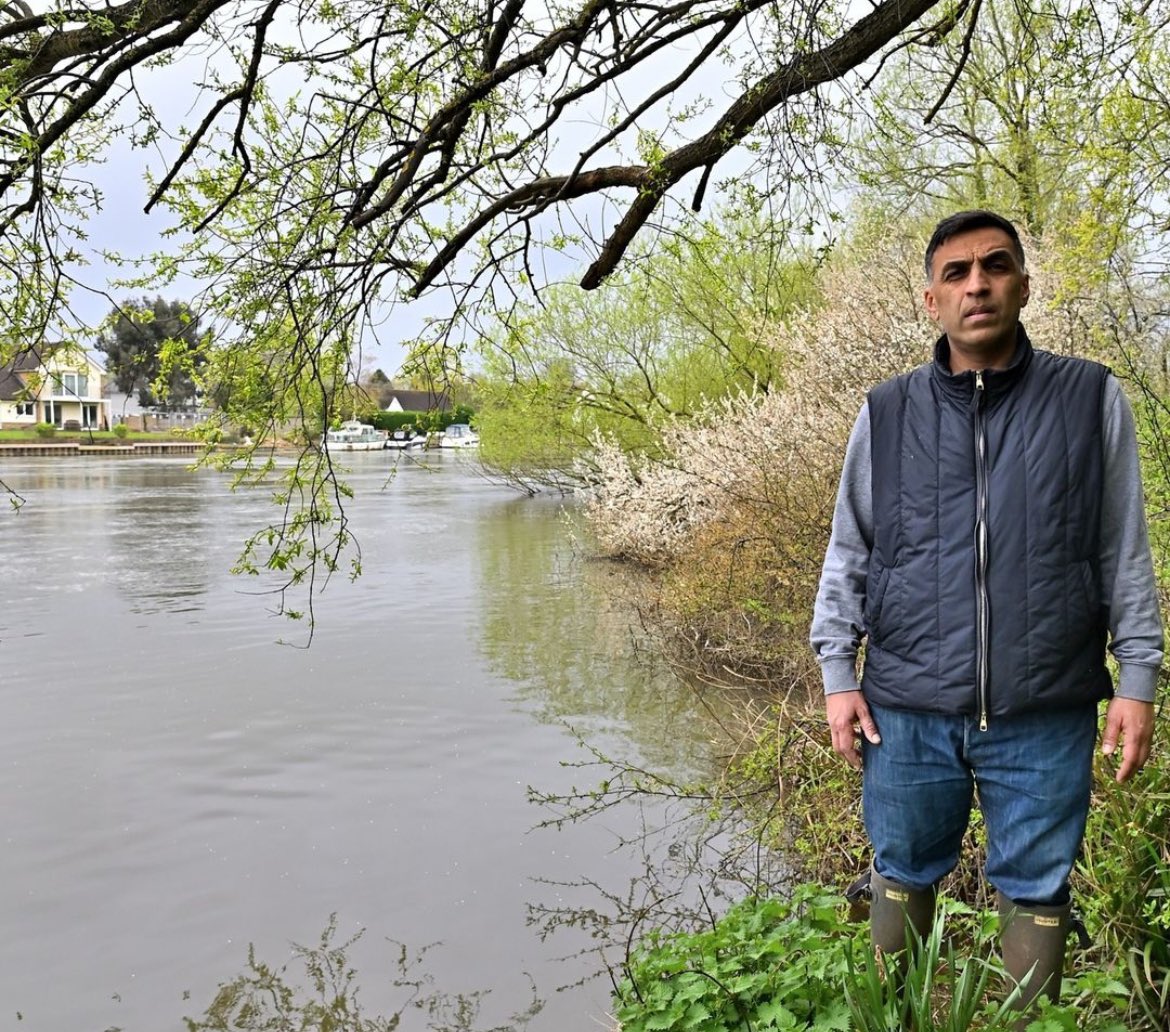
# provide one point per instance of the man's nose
(977, 282)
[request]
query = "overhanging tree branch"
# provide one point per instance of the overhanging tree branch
(433, 106)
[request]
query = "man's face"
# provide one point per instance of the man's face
(977, 288)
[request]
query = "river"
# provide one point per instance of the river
(176, 783)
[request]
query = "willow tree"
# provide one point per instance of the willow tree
(665, 339)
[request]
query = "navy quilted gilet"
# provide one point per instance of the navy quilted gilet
(983, 592)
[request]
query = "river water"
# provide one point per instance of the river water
(176, 783)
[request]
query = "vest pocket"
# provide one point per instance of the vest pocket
(875, 602)
(1084, 611)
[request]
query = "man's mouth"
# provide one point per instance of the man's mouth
(979, 313)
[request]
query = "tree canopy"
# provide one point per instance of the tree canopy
(154, 349)
(343, 158)
(376, 149)
(662, 340)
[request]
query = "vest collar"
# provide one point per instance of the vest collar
(960, 387)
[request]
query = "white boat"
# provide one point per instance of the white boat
(355, 436)
(401, 440)
(459, 435)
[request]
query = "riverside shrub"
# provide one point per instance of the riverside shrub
(772, 964)
(1122, 880)
(736, 506)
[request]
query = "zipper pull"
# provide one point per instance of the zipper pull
(979, 394)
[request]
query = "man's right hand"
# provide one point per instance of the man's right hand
(849, 716)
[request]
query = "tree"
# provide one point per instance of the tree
(154, 348)
(663, 340)
(1059, 121)
(400, 145)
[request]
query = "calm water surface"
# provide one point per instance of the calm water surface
(176, 784)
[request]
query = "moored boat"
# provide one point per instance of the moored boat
(353, 435)
(459, 435)
(401, 440)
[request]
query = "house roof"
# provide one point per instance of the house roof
(11, 385)
(420, 401)
(28, 359)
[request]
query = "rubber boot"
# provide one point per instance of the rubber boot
(1033, 941)
(894, 908)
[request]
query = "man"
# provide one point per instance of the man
(989, 538)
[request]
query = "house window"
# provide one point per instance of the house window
(53, 412)
(74, 385)
(89, 416)
(26, 408)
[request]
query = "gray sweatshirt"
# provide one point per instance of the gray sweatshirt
(1127, 572)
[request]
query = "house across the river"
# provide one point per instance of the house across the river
(60, 386)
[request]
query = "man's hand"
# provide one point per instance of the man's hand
(847, 714)
(1133, 723)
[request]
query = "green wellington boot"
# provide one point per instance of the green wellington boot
(895, 907)
(1033, 942)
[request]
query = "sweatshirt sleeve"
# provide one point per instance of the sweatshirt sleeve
(838, 623)
(1127, 570)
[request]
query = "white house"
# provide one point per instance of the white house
(60, 386)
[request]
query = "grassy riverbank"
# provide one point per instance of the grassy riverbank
(86, 436)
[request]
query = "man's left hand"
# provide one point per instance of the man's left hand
(1133, 723)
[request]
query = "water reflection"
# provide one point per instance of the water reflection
(561, 627)
(158, 536)
(138, 524)
(321, 983)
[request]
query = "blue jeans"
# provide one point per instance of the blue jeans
(1033, 774)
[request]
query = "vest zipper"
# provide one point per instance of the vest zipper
(981, 601)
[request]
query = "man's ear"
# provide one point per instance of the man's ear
(1025, 290)
(931, 307)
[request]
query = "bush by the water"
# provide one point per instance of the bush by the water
(766, 964)
(420, 421)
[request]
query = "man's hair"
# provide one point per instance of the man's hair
(961, 222)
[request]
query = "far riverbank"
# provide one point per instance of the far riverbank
(24, 449)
